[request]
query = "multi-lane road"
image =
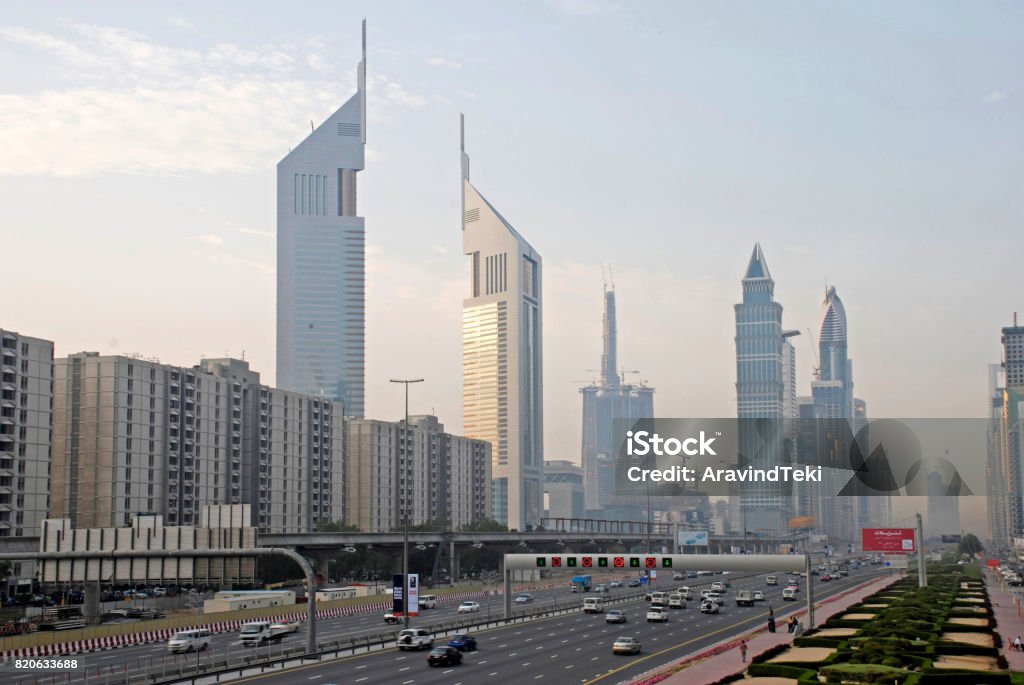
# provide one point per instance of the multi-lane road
(566, 648)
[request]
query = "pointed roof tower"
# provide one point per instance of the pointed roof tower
(757, 267)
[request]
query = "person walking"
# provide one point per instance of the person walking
(743, 650)
(771, 624)
(791, 625)
(1017, 643)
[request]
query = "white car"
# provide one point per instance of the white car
(718, 586)
(189, 640)
(522, 599)
(709, 608)
(758, 596)
(657, 614)
(469, 608)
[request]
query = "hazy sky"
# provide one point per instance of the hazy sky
(872, 145)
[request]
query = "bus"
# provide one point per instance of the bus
(61, 618)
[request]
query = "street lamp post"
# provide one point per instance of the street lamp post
(405, 502)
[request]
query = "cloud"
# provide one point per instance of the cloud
(997, 95)
(444, 62)
(585, 7)
(256, 231)
(180, 23)
(124, 103)
(230, 260)
(208, 239)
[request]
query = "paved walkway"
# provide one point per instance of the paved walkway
(1006, 604)
(713, 663)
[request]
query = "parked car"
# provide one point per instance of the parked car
(626, 645)
(463, 642)
(614, 616)
(444, 656)
(469, 607)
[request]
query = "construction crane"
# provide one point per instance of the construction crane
(814, 350)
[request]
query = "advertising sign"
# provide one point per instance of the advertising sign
(895, 561)
(414, 594)
(397, 600)
(888, 540)
(693, 538)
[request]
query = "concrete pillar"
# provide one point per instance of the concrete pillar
(91, 606)
(454, 570)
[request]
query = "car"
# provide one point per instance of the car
(600, 588)
(691, 574)
(657, 614)
(676, 601)
(626, 645)
(824, 577)
(634, 583)
(614, 616)
(615, 583)
(444, 656)
(463, 642)
(469, 608)
(678, 575)
(708, 608)
(524, 598)
(189, 640)
(758, 596)
(718, 586)
(391, 619)
(159, 592)
(414, 638)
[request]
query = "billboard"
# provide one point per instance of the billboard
(414, 594)
(693, 538)
(888, 540)
(397, 603)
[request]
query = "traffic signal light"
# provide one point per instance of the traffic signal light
(619, 562)
(602, 562)
(634, 562)
(666, 562)
(541, 561)
(588, 562)
(651, 562)
(556, 561)
(571, 561)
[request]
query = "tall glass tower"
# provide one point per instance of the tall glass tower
(502, 370)
(761, 394)
(321, 259)
(603, 403)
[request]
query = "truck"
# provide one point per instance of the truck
(582, 583)
(744, 598)
(258, 633)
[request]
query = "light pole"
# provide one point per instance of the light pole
(405, 501)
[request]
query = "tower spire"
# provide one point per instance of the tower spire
(361, 83)
(610, 355)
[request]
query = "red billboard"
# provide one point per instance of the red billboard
(891, 540)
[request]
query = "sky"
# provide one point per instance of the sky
(870, 146)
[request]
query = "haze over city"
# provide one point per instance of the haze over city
(872, 148)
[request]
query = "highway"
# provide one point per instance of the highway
(155, 657)
(571, 647)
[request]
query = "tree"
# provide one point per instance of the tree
(970, 545)
(487, 525)
(335, 527)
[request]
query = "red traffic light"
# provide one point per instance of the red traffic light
(556, 561)
(619, 562)
(587, 562)
(652, 562)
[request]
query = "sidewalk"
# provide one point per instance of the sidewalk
(1006, 605)
(716, 662)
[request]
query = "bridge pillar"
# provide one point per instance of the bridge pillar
(453, 572)
(91, 606)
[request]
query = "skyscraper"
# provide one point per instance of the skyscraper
(1012, 430)
(603, 403)
(995, 482)
(321, 259)
(502, 361)
(761, 394)
(26, 421)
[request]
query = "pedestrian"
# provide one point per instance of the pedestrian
(1017, 643)
(771, 624)
(791, 624)
(743, 650)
